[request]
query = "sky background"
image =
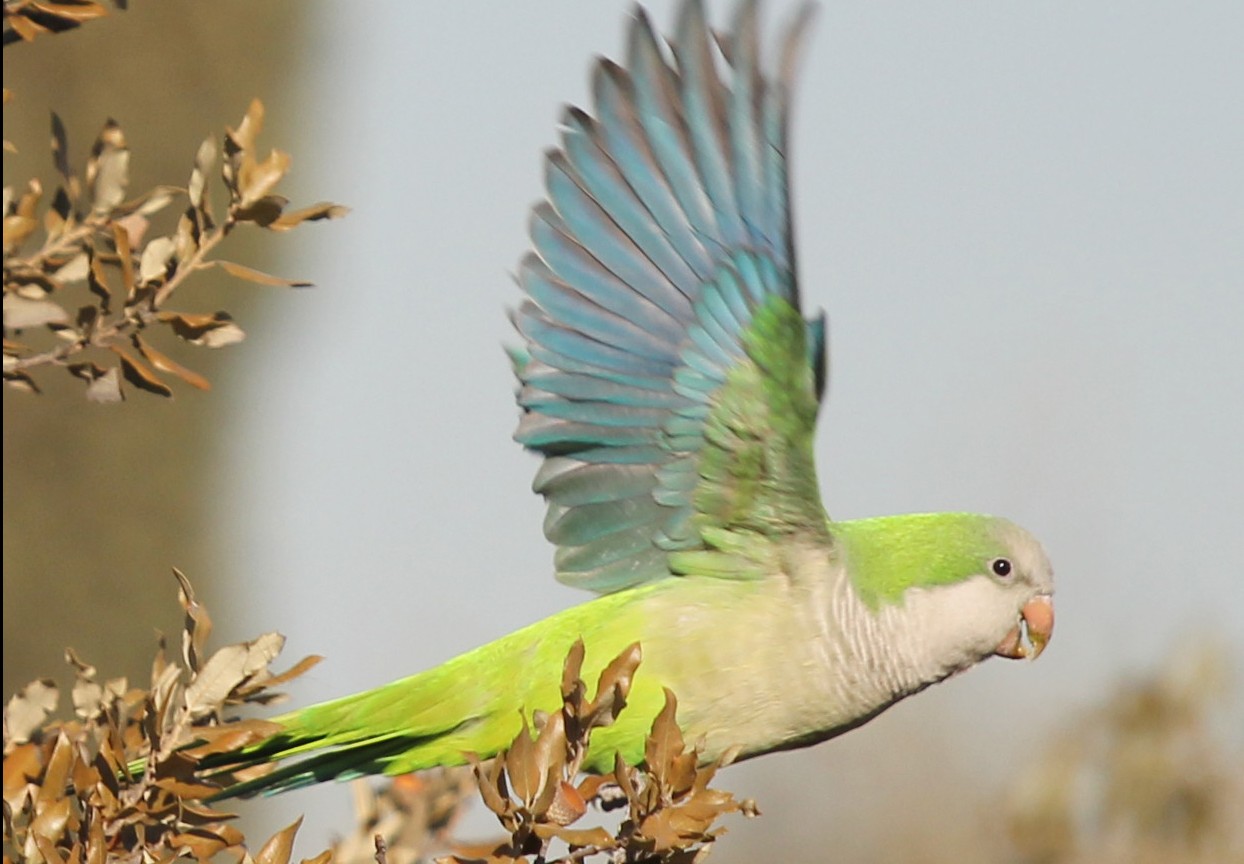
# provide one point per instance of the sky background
(1025, 223)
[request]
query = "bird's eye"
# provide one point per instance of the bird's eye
(1000, 567)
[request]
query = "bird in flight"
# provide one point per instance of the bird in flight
(670, 384)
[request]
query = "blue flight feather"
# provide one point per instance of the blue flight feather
(664, 234)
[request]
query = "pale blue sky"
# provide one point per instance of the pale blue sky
(1025, 222)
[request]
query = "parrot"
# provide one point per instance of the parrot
(670, 384)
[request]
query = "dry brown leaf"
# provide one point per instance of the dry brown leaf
(106, 388)
(525, 778)
(50, 16)
(17, 229)
(45, 840)
(108, 169)
(243, 138)
(614, 685)
(21, 217)
(74, 270)
(214, 331)
(74, 10)
(256, 180)
(87, 692)
(97, 281)
(134, 227)
(84, 776)
(279, 846)
(24, 27)
(198, 624)
(316, 212)
(140, 374)
(263, 212)
(622, 773)
(491, 782)
(165, 363)
(121, 238)
(22, 312)
(204, 842)
(257, 276)
(230, 736)
(156, 257)
(20, 380)
(56, 771)
(185, 789)
(294, 671)
(22, 764)
(27, 710)
(227, 668)
(204, 160)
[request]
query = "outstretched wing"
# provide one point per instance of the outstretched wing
(668, 378)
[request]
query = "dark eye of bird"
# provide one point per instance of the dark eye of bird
(1001, 567)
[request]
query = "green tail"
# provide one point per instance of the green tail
(471, 704)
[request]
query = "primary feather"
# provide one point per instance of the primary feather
(671, 384)
(668, 369)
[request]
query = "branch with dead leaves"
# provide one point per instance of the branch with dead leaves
(95, 259)
(120, 779)
(535, 790)
(26, 19)
(117, 781)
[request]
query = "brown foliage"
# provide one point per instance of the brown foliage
(118, 781)
(98, 285)
(535, 790)
(26, 19)
(121, 780)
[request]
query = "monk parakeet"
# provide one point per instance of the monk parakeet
(671, 384)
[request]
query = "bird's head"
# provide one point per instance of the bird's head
(964, 586)
(1024, 576)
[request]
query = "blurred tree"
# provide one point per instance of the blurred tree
(1152, 772)
(100, 501)
(1151, 775)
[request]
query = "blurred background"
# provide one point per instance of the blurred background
(1023, 219)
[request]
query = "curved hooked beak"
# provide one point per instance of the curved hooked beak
(1035, 627)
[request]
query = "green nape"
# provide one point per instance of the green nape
(887, 555)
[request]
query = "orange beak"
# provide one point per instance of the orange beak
(1036, 624)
